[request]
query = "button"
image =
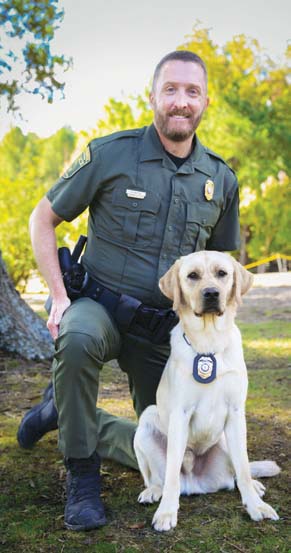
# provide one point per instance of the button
(134, 204)
(164, 256)
(170, 227)
(176, 201)
(203, 221)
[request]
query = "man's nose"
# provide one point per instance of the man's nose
(181, 100)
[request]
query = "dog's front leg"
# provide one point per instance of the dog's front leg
(235, 432)
(165, 517)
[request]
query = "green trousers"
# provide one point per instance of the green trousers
(87, 338)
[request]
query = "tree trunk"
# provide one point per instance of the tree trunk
(22, 331)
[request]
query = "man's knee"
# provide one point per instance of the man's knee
(77, 351)
(87, 334)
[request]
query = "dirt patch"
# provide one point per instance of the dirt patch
(267, 303)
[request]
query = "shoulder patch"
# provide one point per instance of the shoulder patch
(83, 159)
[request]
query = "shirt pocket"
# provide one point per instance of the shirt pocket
(135, 218)
(200, 220)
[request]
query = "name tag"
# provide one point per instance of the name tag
(139, 194)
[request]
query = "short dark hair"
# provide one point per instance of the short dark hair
(180, 55)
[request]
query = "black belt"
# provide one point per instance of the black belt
(130, 314)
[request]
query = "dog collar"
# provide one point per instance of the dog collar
(204, 366)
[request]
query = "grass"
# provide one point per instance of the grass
(32, 482)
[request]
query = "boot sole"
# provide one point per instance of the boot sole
(80, 527)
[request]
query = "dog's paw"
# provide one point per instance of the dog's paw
(150, 494)
(162, 521)
(259, 487)
(258, 510)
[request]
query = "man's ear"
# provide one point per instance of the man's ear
(242, 281)
(170, 285)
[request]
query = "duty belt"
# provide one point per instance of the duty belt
(130, 314)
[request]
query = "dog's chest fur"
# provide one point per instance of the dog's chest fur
(205, 405)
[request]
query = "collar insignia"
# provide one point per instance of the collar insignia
(209, 190)
(204, 368)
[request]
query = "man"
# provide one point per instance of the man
(154, 194)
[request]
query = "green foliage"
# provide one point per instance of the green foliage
(268, 215)
(28, 28)
(120, 116)
(30, 165)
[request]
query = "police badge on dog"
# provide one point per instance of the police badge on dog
(204, 368)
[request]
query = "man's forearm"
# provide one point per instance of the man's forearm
(43, 239)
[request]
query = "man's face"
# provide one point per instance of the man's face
(179, 99)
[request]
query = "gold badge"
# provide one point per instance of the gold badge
(205, 367)
(209, 190)
(83, 159)
(139, 194)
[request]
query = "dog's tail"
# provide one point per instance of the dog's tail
(264, 469)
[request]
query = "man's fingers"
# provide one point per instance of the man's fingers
(53, 328)
(55, 317)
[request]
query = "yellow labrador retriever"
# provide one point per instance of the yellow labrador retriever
(194, 439)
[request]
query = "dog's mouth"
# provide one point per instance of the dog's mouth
(209, 309)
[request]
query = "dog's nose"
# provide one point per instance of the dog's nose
(210, 293)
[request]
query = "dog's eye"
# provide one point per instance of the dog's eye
(221, 273)
(193, 276)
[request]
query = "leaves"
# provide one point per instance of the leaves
(29, 27)
(30, 166)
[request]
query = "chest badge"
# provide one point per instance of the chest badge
(139, 194)
(209, 190)
(204, 368)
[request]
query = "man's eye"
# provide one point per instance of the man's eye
(170, 89)
(221, 273)
(193, 276)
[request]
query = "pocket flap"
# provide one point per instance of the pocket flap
(151, 202)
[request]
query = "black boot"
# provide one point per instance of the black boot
(84, 509)
(39, 420)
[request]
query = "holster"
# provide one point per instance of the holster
(129, 314)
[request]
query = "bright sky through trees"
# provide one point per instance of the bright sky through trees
(116, 44)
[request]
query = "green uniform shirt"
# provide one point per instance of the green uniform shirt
(144, 213)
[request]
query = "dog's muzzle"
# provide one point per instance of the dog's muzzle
(211, 301)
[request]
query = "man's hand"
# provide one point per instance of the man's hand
(57, 310)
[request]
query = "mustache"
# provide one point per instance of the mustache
(182, 112)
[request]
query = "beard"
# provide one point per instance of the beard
(166, 124)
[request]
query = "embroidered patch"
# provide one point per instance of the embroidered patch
(83, 159)
(204, 368)
(209, 189)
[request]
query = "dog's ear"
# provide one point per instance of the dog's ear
(170, 285)
(242, 281)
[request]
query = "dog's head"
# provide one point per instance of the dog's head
(206, 282)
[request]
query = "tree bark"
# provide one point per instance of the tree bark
(22, 331)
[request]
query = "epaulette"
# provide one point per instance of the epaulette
(214, 154)
(131, 133)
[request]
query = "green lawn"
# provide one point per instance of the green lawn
(32, 482)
